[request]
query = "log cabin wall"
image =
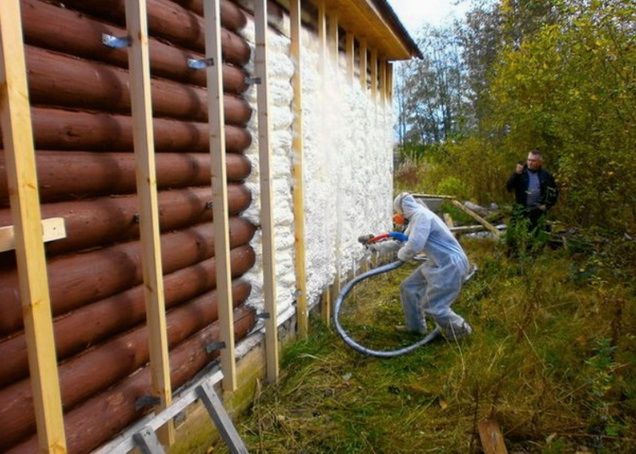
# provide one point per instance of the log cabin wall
(83, 137)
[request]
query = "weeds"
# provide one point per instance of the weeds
(552, 360)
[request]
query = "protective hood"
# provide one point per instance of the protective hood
(406, 204)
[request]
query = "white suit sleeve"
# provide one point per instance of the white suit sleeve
(418, 235)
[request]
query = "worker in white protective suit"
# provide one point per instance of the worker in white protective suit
(433, 287)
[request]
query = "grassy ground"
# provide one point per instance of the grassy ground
(552, 360)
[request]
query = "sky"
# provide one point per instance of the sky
(413, 13)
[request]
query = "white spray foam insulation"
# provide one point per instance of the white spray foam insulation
(347, 170)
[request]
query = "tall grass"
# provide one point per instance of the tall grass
(552, 360)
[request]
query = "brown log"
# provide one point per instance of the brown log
(80, 279)
(229, 12)
(73, 174)
(63, 30)
(96, 420)
(58, 80)
(68, 130)
(165, 20)
(115, 359)
(99, 222)
(95, 322)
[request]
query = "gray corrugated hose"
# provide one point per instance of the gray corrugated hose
(352, 343)
(379, 353)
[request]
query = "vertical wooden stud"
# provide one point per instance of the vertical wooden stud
(216, 119)
(19, 153)
(335, 58)
(389, 81)
(350, 56)
(333, 42)
(383, 90)
(139, 67)
(326, 306)
(266, 183)
(363, 65)
(324, 49)
(322, 34)
(302, 313)
(374, 75)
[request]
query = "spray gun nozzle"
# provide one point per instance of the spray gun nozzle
(364, 239)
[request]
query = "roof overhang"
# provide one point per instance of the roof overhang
(375, 21)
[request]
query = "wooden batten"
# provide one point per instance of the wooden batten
(324, 58)
(389, 81)
(144, 148)
(52, 229)
(302, 311)
(219, 190)
(350, 56)
(19, 153)
(266, 183)
(332, 40)
(383, 91)
(363, 64)
(322, 33)
(374, 74)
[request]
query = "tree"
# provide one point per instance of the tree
(431, 92)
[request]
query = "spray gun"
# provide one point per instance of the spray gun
(383, 243)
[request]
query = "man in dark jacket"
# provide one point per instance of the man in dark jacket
(535, 189)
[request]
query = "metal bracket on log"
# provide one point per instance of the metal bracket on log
(253, 80)
(146, 400)
(202, 63)
(52, 229)
(115, 42)
(214, 346)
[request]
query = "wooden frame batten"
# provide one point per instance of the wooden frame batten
(267, 221)
(302, 312)
(216, 115)
(17, 131)
(146, 177)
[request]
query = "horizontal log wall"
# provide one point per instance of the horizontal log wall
(105, 364)
(83, 133)
(95, 322)
(74, 174)
(115, 407)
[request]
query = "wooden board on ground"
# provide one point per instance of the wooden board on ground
(491, 438)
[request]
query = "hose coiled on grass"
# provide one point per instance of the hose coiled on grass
(355, 345)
